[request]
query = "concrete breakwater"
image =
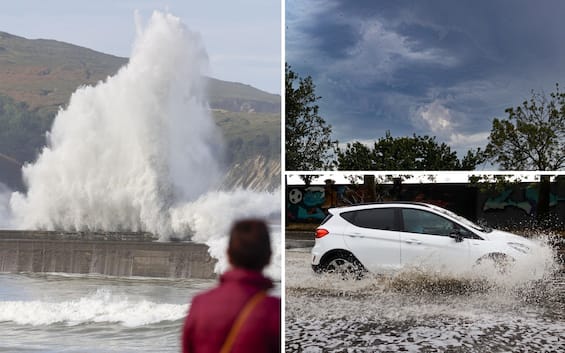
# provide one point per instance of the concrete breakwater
(112, 254)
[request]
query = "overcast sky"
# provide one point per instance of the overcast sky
(442, 68)
(243, 38)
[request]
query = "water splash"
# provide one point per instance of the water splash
(140, 152)
(209, 218)
(126, 149)
(5, 211)
(418, 310)
(533, 277)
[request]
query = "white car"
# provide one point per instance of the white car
(388, 236)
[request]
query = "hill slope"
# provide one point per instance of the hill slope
(37, 77)
(44, 74)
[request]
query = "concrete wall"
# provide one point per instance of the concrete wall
(113, 254)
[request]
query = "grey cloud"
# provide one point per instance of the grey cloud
(475, 57)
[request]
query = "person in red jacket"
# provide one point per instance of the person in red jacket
(237, 315)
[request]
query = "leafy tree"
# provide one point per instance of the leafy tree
(472, 159)
(533, 135)
(308, 141)
(356, 156)
(404, 153)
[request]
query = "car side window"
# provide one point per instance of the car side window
(326, 219)
(376, 218)
(423, 222)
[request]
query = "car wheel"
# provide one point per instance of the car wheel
(345, 265)
(500, 262)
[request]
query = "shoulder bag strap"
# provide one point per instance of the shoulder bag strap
(240, 320)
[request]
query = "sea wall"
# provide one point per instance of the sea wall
(112, 254)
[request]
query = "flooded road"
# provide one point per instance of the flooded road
(420, 312)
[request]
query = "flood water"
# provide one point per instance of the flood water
(420, 312)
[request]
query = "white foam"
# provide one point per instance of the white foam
(539, 263)
(5, 211)
(211, 215)
(126, 149)
(100, 307)
(485, 278)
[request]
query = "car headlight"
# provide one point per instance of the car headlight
(520, 247)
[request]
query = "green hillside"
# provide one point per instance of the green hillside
(233, 96)
(37, 77)
(250, 134)
(44, 74)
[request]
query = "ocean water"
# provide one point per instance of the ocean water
(62, 313)
(418, 311)
(72, 313)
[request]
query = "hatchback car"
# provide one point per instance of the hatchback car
(388, 236)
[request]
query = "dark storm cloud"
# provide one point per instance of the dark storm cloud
(443, 68)
(335, 46)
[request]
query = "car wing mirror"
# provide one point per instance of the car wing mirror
(456, 234)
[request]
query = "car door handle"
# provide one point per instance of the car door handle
(410, 241)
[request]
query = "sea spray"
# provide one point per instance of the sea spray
(5, 212)
(124, 150)
(210, 217)
(141, 152)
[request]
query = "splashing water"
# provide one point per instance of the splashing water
(125, 150)
(536, 270)
(5, 212)
(207, 216)
(417, 310)
(140, 152)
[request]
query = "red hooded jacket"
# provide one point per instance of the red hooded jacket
(213, 313)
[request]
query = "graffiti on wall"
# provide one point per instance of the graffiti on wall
(527, 203)
(305, 204)
(310, 204)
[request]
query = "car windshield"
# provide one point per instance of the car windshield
(461, 219)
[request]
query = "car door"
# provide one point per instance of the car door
(372, 236)
(425, 241)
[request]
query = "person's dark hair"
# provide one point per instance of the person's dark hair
(249, 246)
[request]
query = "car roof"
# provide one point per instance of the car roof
(363, 206)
